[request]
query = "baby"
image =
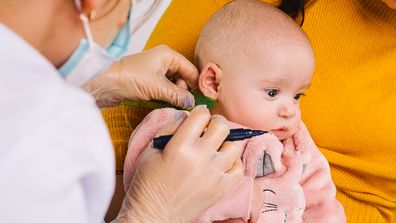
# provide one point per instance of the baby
(255, 65)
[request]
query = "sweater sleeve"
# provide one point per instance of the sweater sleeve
(319, 189)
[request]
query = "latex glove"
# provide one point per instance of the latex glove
(245, 201)
(189, 176)
(145, 76)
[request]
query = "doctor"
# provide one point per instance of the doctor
(56, 157)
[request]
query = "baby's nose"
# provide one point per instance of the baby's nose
(287, 110)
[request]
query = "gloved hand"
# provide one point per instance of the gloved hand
(189, 175)
(159, 73)
(244, 203)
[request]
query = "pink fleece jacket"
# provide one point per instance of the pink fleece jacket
(285, 181)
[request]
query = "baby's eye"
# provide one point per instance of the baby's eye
(297, 96)
(272, 92)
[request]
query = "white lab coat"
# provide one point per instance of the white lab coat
(56, 157)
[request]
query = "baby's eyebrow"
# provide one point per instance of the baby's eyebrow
(306, 86)
(274, 80)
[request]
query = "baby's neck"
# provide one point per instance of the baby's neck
(216, 110)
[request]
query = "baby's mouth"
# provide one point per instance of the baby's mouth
(283, 129)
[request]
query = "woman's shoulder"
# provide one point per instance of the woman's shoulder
(180, 25)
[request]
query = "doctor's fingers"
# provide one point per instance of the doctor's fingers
(172, 93)
(176, 65)
(181, 83)
(188, 135)
(227, 157)
(216, 132)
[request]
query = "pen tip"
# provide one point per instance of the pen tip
(259, 132)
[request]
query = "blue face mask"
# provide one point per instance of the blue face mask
(89, 59)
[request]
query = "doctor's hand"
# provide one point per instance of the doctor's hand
(159, 73)
(193, 171)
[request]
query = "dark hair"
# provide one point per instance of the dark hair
(294, 8)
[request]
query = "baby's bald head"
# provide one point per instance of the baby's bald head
(245, 26)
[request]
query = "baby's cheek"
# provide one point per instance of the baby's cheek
(294, 126)
(259, 121)
(241, 110)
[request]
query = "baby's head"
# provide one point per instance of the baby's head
(255, 62)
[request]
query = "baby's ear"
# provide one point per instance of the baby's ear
(209, 80)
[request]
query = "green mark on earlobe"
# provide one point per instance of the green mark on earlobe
(202, 100)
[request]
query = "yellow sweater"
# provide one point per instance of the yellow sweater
(351, 105)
